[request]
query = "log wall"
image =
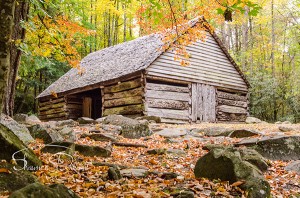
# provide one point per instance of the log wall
(74, 106)
(231, 107)
(125, 98)
(168, 101)
(53, 109)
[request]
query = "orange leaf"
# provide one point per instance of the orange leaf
(238, 183)
(4, 170)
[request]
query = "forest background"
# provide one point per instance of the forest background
(54, 35)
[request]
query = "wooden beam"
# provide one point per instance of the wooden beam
(167, 104)
(169, 113)
(123, 101)
(222, 101)
(231, 109)
(124, 94)
(51, 101)
(231, 96)
(52, 106)
(163, 87)
(123, 86)
(124, 110)
(167, 95)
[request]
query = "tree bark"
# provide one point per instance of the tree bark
(18, 33)
(6, 24)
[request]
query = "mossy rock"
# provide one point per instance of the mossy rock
(227, 164)
(15, 178)
(40, 132)
(37, 190)
(11, 146)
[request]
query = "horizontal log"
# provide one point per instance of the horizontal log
(58, 115)
(231, 117)
(162, 87)
(168, 113)
(124, 94)
(231, 96)
(168, 95)
(123, 86)
(231, 109)
(167, 104)
(124, 110)
(222, 101)
(52, 101)
(123, 101)
(74, 106)
(52, 111)
(52, 106)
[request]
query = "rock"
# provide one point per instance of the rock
(242, 133)
(159, 151)
(286, 122)
(13, 180)
(293, 166)
(285, 128)
(183, 194)
(86, 120)
(216, 131)
(172, 132)
(33, 119)
(69, 122)
(275, 148)
(18, 129)
(177, 152)
(111, 129)
(100, 137)
(114, 173)
(100, 120)
(156, 119)
(134, 172)
(168, 176)
(37, 190)
(252, 120)
(85, 150)
(249, 155)
(278, 122)
(40, 132)
(68, 134)
(13, 148)
(130, 128)
(226, 164)
(92, 150)
(20, 117)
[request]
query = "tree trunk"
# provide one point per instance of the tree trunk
(6, 23)
(18, 33)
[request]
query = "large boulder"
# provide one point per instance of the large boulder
(20, 117)
(86, 120)
(40, 132)
(216, 131)
(37, 190)
(13, 148)
(13, 177)
(19, 130)
(293, 166)
(242, 133)
(227, 164)
(155, 119)
(252, 120)
(33, 119)
(275, 148)
(134, 173)
(131, 128)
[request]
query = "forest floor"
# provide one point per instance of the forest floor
(87, 180)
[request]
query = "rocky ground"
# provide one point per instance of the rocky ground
(160, 164)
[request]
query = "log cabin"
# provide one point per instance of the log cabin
(136, 78)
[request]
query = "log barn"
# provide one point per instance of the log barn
(136, 78)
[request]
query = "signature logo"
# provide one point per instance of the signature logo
(58, 158)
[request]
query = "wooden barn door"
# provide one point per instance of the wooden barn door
(87, 107)
(203, 103)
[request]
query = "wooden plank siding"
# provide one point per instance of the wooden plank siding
(208, 65)
(170, 101)
(125, 98)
